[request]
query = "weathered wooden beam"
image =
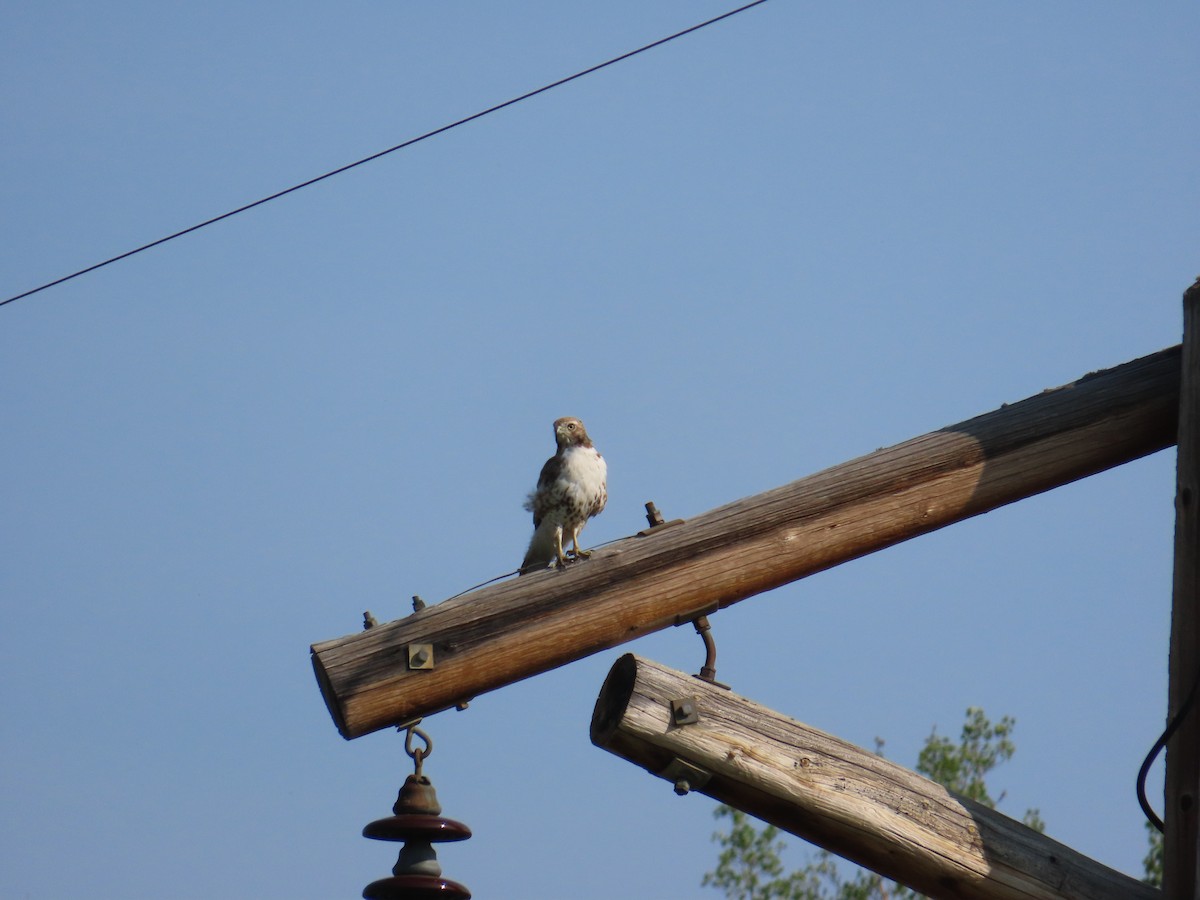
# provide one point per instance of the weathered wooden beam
(832, 793)
(1181, 846)
(504, 633)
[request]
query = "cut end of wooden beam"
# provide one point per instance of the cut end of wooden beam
(613, 699)
(328, 694)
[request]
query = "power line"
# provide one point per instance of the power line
(381, 153)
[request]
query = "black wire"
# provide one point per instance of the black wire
(518, 572)
(485, 583)
(374, 156)
(1171, 728)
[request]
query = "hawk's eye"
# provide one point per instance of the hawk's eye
(571, 426)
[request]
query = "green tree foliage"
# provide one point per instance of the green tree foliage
(1153, 863)
(750, 868)
(750, 865)
(963, 767)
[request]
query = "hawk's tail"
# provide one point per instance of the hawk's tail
(541, 550)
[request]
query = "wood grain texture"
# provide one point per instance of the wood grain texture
(1181, 847)
(837, 795)
(513, 630)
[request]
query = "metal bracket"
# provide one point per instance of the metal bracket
(699, 620)
(420, 656)
(685, 776)
(692, 615)
(684, 711)
(708, 671)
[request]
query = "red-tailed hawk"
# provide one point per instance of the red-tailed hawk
(571, 489)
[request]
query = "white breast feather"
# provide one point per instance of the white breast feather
(585, 471)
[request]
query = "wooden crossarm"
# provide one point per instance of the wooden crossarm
(509, 631)
(828, 791)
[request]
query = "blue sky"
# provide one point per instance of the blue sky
(774, 245)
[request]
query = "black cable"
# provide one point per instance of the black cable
(518, 572)
(1171, 728)
(374, 156)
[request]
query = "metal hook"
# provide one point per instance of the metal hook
(419, 755)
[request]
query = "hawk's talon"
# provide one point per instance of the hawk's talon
(579, 552)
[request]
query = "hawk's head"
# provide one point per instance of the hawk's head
(569, 432)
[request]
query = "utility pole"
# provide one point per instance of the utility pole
(1181, 848)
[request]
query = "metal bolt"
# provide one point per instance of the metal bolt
(420, 656)
(684, 712)
(685, 776)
